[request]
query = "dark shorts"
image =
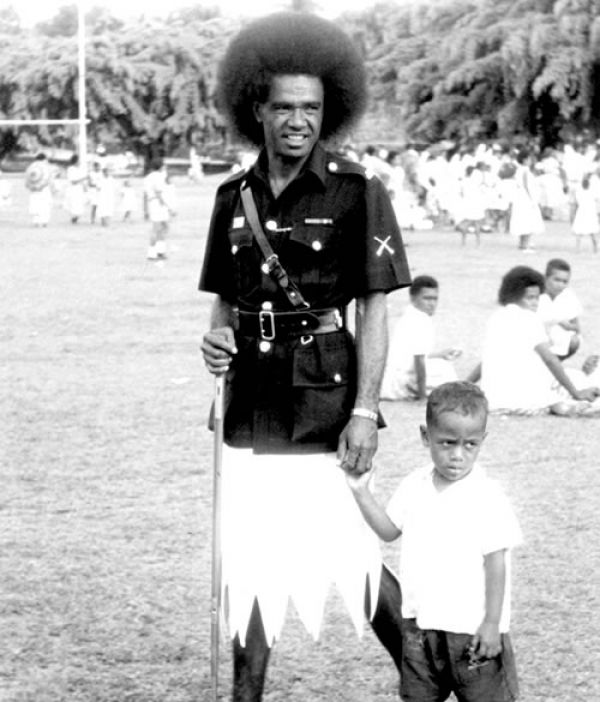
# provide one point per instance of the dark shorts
(437, 663)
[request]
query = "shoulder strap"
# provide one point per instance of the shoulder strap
(274, 267)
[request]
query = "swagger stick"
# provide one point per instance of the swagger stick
(215, 604)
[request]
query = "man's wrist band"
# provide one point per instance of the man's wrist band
(362, 412)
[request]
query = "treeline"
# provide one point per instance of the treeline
(443, 69)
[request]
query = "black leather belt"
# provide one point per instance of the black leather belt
(268, 325)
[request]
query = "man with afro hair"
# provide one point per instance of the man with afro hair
(301, 390)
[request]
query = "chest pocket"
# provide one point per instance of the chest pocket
(314, 253)
(246, 261)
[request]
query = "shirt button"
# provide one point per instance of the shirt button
(317, 245)
(271, 225)
(234, 249)
(332, 166)
(337, 378)
(264, 346)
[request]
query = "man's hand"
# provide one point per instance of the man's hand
(218, 346)
(357, 445)
(486, 643)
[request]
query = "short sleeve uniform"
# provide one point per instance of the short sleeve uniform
(336, 235)
(445, 536)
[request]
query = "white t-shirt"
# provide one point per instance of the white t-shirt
(513, 375)
(564, 307)
(445, 536)
(413, 335)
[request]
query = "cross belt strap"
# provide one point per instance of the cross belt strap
(274, 267)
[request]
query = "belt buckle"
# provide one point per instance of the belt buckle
(266, 322)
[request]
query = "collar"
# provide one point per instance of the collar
(315, 166)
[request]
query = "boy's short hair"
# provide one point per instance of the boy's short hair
(557, 264)
(456, 396)
(420, 282)
(516, 281)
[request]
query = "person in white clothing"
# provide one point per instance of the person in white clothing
(585, 221)
(413, 368)
(458, 529)
(525, 215)
(519, 373)
(560, 309)
(160, 208)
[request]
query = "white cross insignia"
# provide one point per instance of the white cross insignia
(384, 246)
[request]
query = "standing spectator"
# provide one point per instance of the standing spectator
(75, 191)
(93, 189)
(525, 215)
(106, 196)
(301, 387)
(128, 201)
(38, 180)
(5, 192)
(160, 212)
(585, 221)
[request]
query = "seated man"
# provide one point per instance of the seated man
(559, 309)
(413, 369)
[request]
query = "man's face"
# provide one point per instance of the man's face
(292, 116)
(426, 300)
(556, 282)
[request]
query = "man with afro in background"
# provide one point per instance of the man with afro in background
(301, 390)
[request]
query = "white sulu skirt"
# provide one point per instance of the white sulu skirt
(290, 530)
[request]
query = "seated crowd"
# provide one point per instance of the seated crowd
(535, 328)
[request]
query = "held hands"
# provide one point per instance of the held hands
(486, 643)
(357, 446)
(218, 346)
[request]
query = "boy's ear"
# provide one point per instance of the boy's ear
(424, 435)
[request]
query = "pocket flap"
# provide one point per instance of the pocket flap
(313, 236)
(327, 361)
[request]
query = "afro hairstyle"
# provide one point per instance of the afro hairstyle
(515, 283)
(291, 43)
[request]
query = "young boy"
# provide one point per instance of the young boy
(560, 309)
(413, 368)
(457, 530)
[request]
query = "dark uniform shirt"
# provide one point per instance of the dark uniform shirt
(336, 235)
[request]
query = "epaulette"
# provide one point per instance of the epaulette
(233, 178)
(343, 166)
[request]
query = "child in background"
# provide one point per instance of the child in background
(457, 530)
(128, 200)
(585, 222)
(560, 309)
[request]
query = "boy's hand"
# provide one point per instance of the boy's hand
(486, 643)
(359, 481)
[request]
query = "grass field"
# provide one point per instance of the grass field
(105, 487)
